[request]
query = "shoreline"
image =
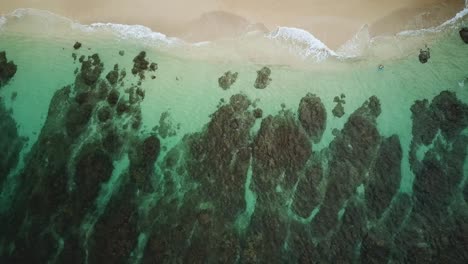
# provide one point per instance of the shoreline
(333, 23)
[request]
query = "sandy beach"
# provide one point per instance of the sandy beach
(333, 22)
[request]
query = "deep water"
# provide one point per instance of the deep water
(118, 152)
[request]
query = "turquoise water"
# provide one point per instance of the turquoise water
(227, 187)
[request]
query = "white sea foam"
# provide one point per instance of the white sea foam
(3, 21)
(441, 27)
(134, 32)
(303, 42)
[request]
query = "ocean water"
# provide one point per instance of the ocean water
(334, 161)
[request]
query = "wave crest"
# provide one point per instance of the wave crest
(134, 32)
(302, 42)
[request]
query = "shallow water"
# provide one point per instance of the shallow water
(225, 186)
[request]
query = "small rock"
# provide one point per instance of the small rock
(121, 53)
(258, 113)
(424, 55)
(263, 78)
(464, 34)
(338, 111)
(77, 45)
(227, 80)
(153, 66)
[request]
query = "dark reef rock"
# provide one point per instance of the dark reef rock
(104, 114)
(83, 97)
(227, 80)
(119, 225)
(397, 212)
(153, 66)
(375, 249)
(338, 110)
(263, 78)
(313, 116)
(7, 69)
(307, 195)
(339, 99)
(258, 113)
(434, 183)
(385, 176)
(96, 187)
(465, 193)
(113, 76)
(58, 188)
(281, 138)
(93, 167)
(464, 35)
(280, 149)
(91, 69)
(432, 233)
(77, 119)
(113, 97)
(425, 123)
(445, 113)
(357, 144)
(112, 141)
(122, 107)
(166, 127)
(341, 248)
(452, 114)
(10, 143)
(77, 45)
(424, 55)
(140, 65)
(142, 161)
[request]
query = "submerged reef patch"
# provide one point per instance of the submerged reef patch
(227, 80)
(247, 187)
(263, 78)
(7, 69)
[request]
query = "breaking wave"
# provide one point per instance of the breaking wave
(134, 32)
(302, 42)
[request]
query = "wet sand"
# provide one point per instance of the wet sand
(333, 22)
